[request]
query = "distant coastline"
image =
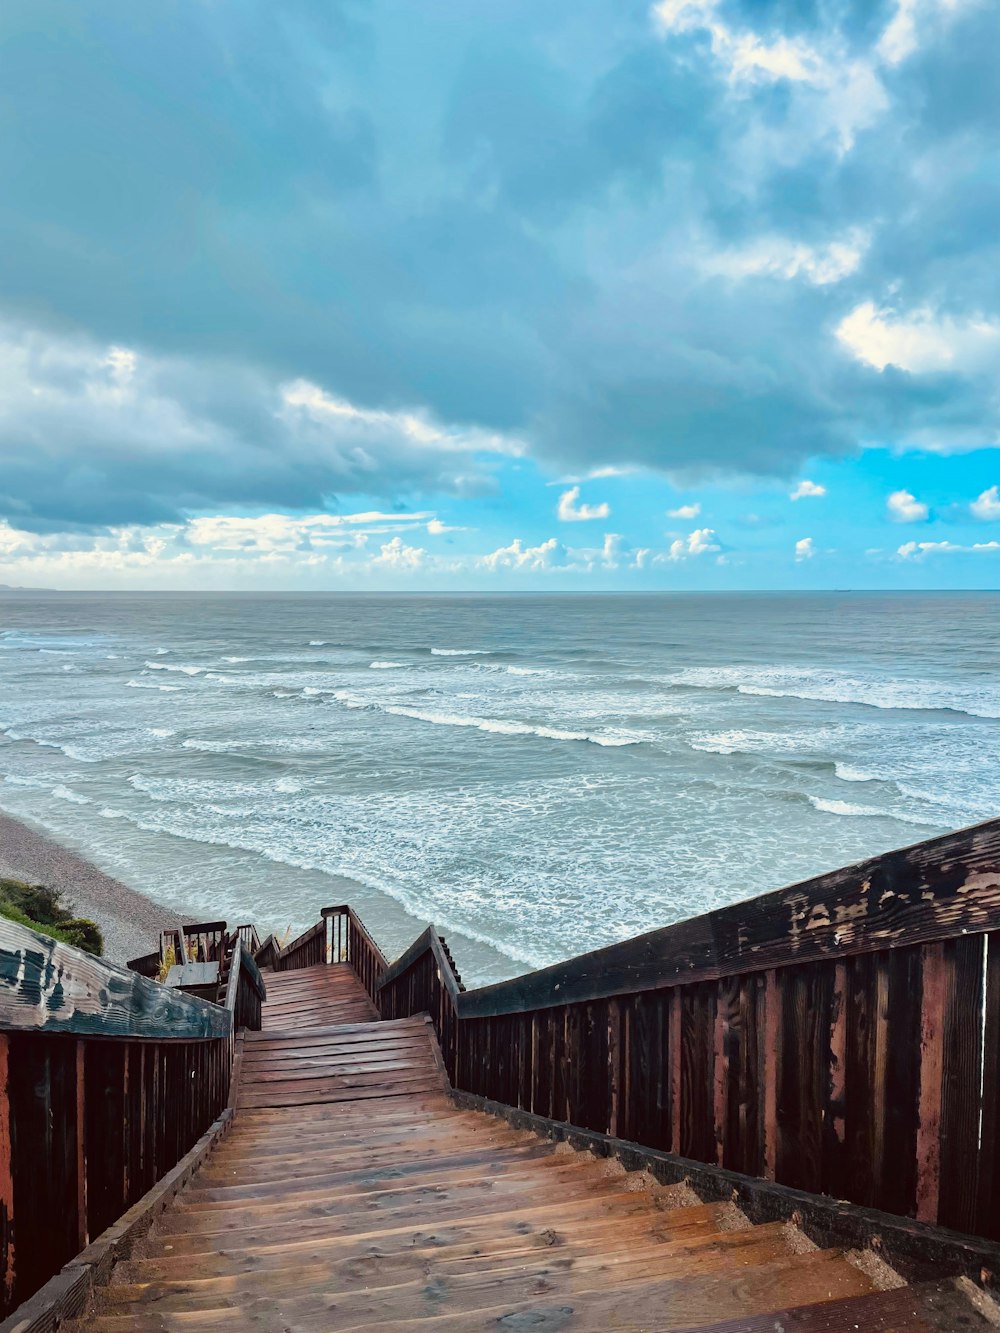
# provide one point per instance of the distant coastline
(129, 921)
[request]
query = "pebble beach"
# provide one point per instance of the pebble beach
(130, 922)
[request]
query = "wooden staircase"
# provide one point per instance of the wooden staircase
(352, 1194)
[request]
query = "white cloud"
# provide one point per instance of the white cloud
(418, 426)
(920, 343)
(570, 511)
(685, 511)
(901, 35)
(395, 554)
(845, 95)
(807, 490)
(745, 54)
(906, 508)
(284, 532)
(987, 506)
(780, 257)
(700, 542)
(804, 549)
(436, 528)
(519, 556)
(917, 550)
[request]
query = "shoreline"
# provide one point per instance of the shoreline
(130, 922)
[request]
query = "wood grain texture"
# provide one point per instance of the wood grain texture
(45, 985)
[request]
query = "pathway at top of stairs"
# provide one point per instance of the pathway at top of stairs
(351, 1194)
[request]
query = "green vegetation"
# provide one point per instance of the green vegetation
(42, 909)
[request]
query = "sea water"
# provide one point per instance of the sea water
(537, 775)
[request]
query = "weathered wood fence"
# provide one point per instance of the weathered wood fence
(841, 1036)
(106, 1081)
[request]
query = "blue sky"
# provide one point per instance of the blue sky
(370, 294)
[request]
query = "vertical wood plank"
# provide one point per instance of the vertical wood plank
(771, 1063)
(961, 1084)
(988, 1168)
(81, 1147)
(8, 1255)
(932, 1007)
(832, 1174)
(898, 1187)
(614, 1063)
(676, 1072)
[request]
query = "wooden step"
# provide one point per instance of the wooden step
(689, 1226)
(930, 1307)
(401, 1276)
(592, 1304)
(274, 1230)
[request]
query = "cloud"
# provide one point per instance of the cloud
(685, 511)
(569, 511)
(97, 436)
(807, 490)
(781, 257)
(332, 290)
(395, 554)
(987, 506)
(519, 556)
(804, 549)
(284, 532)
(918, 550)
(923, 342)
(700, 542)
(906, 508)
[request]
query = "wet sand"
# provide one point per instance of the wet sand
(131, 923)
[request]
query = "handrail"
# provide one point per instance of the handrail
(354, 945)
(305, 950)
(106, 1081)
(52, 986)
(839, 1036)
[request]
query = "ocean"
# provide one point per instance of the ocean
(537, 775)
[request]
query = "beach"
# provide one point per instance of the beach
(129, 921)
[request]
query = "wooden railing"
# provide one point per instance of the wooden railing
(106, 1080)
(306, 950)
(202, 941)
(348, 941)
(241, 986)
(841, 1036)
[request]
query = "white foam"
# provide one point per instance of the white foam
(833, 807)
(171, 666)
(527, 671)
(209, 747)
(161, 733)
(68, 794)
(237, 659)
(496, 726)
(460, 652)
(385, 666)
(317, 643)
(149, 685)
(288, 785)
(831, 686)
(848, 773)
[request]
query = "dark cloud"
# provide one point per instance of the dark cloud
(505, 214)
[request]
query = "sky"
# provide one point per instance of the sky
(370, 294)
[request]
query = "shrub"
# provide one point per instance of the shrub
(42, 909)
